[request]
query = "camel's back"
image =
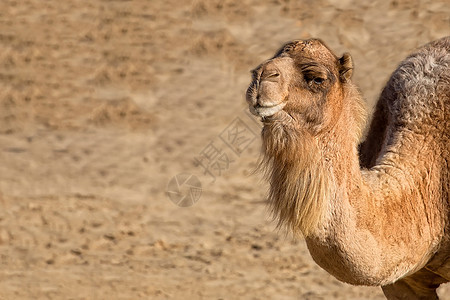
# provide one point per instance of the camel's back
(411, 122)
(416, 99)
(418, 94)
(411, 125)
(412, 116)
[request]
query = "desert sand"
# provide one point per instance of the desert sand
(102, 103)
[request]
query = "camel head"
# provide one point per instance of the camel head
(301, 84)
(298, 94)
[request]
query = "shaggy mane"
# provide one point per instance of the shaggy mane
(294, 164)
(299, 185)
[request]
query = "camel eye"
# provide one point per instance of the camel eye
(318, 80)
(274, 75)
(313, 78)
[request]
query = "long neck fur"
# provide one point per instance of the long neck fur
(297, 166)
(298, 181)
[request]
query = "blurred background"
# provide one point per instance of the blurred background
(104, 103)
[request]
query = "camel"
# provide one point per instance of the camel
(374, 214)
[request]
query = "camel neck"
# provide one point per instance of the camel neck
(373, 216)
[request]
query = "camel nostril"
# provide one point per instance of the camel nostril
(270, 76)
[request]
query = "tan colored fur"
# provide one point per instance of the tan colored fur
(378, 226)
(299, 182)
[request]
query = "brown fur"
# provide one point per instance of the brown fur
(296, 172)
(380, 226)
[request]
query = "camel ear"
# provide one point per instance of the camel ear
(345, 67)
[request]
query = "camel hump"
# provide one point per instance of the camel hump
(418, 93)
(443, 43)
(417, 97)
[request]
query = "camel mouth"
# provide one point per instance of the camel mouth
(266, 111)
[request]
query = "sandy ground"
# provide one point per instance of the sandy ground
(103, 102)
